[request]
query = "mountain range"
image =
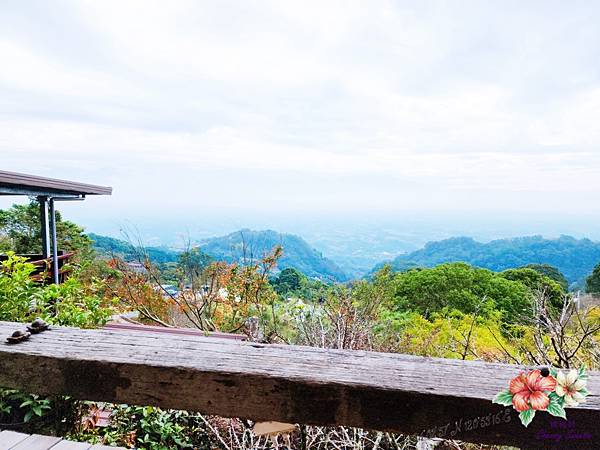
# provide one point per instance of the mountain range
(110, 246)
(236, 247)
(575, 258)
(297, 252)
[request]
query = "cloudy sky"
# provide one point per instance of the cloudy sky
(303, 107)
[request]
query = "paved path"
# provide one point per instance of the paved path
(11, 440)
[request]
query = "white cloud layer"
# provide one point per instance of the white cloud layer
(307, 105)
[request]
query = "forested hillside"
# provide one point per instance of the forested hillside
(297, 253)
(237, 247)
(111, 246)
(575, 258)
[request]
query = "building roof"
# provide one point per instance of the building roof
(12, 183)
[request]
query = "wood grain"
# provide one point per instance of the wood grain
(389, 392)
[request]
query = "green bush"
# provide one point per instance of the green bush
(72, 304)
(462, 287)
(150, 428)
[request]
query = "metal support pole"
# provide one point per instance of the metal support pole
(45, 232)
(54, 244)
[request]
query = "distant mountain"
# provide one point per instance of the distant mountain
(297, 252)
(575, 258)
(109, 246)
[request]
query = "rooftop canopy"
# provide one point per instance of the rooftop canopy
(12, 183)
(48, 191)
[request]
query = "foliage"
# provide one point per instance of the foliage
(71, 303)
(448, 334)
(592, 283)
(563, 338)
(339, 321)
(575, 258)
(191, 264)
(35, 414)
(20, 226)
(21, 407)
(551, 272)
(461, 287)
(290, 282)
(218, 296)
(536, 282)
(149, 428)
(137, 291)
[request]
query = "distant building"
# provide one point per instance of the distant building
(170, 289)
(136, 267)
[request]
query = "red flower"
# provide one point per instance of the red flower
(530, 389)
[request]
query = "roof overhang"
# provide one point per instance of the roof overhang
(12, 183)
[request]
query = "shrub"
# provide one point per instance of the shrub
(22, 299)
(73, 304)
(150, 428)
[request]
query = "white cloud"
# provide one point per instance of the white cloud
(306, 104)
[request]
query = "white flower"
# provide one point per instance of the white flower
(569, 386)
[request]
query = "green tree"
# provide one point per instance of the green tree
(592, 283)
(289, 281)
(192, 264)
(462, 287)
(20, 231)
(536, 283)
(551, 272)
(5, 243)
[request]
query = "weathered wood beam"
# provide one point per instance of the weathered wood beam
(389, 392)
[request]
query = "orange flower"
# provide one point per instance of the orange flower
(530, 389)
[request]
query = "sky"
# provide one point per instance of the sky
(245, 112)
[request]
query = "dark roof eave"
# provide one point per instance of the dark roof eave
(12, 183)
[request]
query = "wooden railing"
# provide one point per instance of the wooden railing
(389, 392)
(44, 266)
